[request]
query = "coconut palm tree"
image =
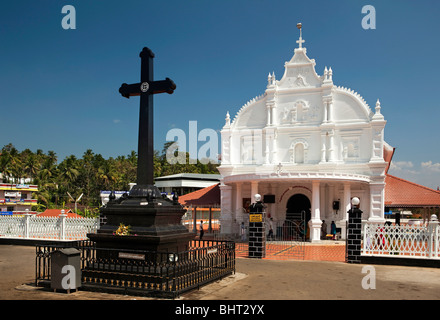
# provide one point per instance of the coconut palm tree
(31, 166)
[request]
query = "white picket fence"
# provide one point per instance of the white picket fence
(405, 241)
(30, 226)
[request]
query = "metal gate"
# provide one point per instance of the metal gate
(286, 241)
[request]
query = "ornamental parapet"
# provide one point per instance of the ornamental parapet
(333, 176)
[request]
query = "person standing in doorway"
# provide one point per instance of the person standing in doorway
(201, 230)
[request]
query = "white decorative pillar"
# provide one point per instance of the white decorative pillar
(26, 218)
(322, 201)
(315, 221)
(327, 102)
(377, 124)
(269, 120)
(274, 114)
(62, 223)
(330, 110)
(433, 234)
(377, 202)
(331, 148)
(347, 201)
(323, 146)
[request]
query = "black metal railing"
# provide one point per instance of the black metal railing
(149, 273)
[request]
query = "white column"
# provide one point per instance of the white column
(433, 231)
(346, 205)
(62, 222)
(26, 218)
(268, 120)
(274, 115)
(377, 202)
(315, 221)
(323, 146)
(330, 111)
(331, 148)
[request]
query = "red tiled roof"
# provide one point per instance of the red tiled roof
(204, 197)
(404, 193)
(57, 212)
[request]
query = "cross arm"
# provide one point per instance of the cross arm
(162, 86)
(132, 90)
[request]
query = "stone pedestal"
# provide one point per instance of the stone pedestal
(257, 240)
(315, 230)
(354, 236)
(155, 223)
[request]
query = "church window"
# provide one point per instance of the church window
(299, 153)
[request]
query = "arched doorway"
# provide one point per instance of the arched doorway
(297, 204)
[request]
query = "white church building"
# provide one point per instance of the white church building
(305, 144)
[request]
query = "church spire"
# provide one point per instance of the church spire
(300, 41)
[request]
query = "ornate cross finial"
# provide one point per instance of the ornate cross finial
(300, 41)
(279, 168)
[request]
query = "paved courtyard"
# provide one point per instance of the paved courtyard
(279, 250)
(254, 280)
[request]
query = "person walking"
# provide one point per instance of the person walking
(333, 230)
(201, 230)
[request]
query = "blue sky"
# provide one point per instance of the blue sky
(59, 88)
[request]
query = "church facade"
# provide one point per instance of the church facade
(306, 146)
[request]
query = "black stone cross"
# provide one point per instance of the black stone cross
(146, 88)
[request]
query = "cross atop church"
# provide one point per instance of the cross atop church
(146, 89)
(300, 41)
